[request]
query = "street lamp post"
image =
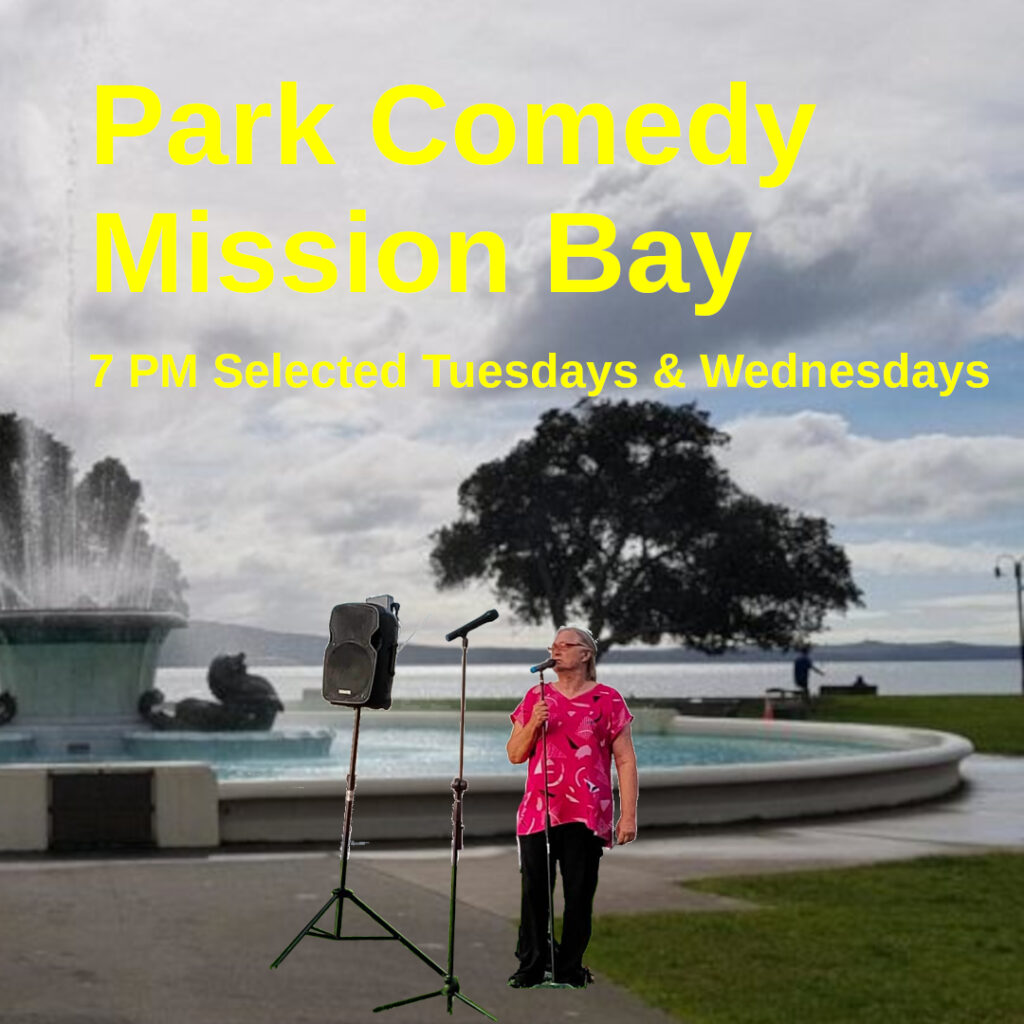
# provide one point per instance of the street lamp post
(1017, 564)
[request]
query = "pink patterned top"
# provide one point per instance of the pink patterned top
(581, 731)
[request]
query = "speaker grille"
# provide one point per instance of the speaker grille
(348, 672)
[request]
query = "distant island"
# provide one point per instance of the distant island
(202, 641)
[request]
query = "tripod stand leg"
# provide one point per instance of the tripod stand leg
(450, 992)
(305, 931)
(469, 1002)
(395, 933)
(411, 999)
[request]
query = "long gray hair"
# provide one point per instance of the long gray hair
(588, 641)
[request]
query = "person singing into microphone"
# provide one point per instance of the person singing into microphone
(588, 725)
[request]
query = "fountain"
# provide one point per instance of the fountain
(86, 598)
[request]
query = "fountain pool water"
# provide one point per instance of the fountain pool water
(417, 751)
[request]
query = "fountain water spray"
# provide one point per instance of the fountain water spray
(86, 598)
(68, 544)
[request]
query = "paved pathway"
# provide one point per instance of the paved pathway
(987, 814)
(187, 940)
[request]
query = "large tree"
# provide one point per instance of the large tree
(617, 514)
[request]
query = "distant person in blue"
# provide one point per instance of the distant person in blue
(802, 669)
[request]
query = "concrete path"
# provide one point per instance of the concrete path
(188, 940)
(987, 814)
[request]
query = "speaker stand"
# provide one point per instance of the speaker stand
(450, 988)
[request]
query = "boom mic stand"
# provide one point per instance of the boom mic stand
(450, 988)
(547, 841)
(549, 976)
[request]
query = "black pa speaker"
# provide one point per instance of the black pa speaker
(359, 663)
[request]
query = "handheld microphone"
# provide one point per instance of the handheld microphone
(550, 663)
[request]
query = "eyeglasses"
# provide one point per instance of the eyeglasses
(562, 647)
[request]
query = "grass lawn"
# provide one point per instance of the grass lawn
(933, 941)
(994, 724)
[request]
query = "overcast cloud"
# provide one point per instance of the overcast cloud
(899, 229)
(815, 461)
(834, 269)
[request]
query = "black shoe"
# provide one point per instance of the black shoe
(525, 979)
(578, 978)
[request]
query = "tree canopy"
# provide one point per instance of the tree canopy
(618, 515)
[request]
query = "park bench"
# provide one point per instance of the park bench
(853, 690)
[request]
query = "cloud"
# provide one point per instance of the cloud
(40, 141)
(279, 503)
(906, 557)
(814, 461)
(1003, 313)
(831, 262)
(967, 602)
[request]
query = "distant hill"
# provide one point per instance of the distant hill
(201, 641)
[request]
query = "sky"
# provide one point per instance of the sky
(900, 229)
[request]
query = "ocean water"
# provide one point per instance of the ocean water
(722, 679)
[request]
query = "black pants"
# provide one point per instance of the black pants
(577, 852)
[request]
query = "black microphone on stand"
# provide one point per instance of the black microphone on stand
(469, 626)
(549, 977)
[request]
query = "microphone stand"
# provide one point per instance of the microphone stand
(450, 987)
(547, 834)
(343, 892)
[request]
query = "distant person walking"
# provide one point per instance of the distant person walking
(802, 669)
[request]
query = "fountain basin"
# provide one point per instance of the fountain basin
(907, 766)
(77, 675)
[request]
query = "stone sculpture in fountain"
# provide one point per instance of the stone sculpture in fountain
(245, 702)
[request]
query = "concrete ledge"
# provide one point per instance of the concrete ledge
(184, 800)
(261, 811)
(24, 815)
